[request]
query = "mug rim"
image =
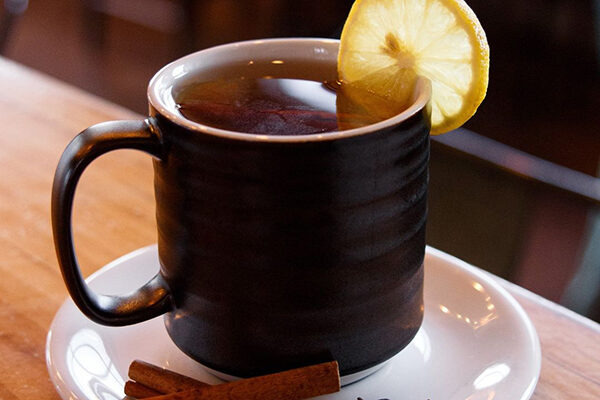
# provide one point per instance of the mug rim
(422, 95)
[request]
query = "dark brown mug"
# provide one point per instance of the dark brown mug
(275, 251)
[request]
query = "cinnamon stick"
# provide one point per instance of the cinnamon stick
(139, 391)
(161, 380)
(296, 384)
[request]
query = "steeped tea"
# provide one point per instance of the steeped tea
(275, 252)
(245, 100)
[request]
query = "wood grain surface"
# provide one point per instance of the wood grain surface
(114, 214)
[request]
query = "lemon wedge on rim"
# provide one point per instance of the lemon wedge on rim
(387, 44)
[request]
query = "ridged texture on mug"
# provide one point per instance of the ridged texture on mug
(285, 254)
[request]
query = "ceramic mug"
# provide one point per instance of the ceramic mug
(275, 251)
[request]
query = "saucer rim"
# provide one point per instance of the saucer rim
(451, 263)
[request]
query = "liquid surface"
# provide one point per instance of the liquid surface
(279, 106)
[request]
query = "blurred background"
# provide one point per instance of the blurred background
(517, 192)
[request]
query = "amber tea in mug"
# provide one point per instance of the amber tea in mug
(290, 220)
(269, 99)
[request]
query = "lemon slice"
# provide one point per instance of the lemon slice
(387, 44)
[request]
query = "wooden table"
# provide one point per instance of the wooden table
(114, 214)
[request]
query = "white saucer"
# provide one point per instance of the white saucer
(476, 342)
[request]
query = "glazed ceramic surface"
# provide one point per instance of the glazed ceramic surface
(284, 251)
(476, 342)
(276, 251)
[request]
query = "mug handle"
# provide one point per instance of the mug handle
(153, 298)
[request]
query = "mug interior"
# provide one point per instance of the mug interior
(292, 54)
